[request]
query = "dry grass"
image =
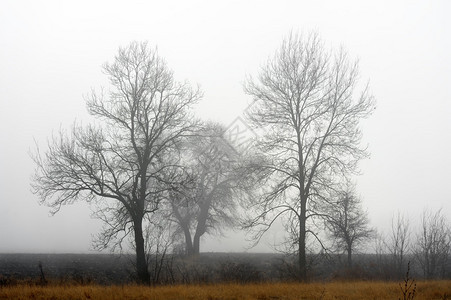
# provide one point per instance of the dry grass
(332, 290)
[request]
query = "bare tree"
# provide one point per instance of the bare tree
(206, 201)
(120, 162)
(306, 102)
(382, 266)
(348, 223)
(398, 243)
(433, 244)
(159, 237)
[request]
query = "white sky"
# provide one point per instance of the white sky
(51, 53)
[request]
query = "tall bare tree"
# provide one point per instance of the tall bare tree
(307, 103)
(119, 163)
(207, 200)
(348, 223)
(433, 244)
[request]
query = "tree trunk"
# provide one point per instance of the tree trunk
(201, 224)
(189, 250)
(302, 236)
(141, 263)
(349, 257)
(196, 244)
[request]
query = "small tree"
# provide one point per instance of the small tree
(383, 266)
(160, 238)
(348, 224)
(398, 242)
(433, 244)
(120, 162)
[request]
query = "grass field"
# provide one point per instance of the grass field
(269, 291)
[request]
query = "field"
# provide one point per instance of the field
(86, 276)
(268, 291)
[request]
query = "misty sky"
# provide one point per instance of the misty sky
(51, 54)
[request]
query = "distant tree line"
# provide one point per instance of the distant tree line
(428, 247)
(161, 178)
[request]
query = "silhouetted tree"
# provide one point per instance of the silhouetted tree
(160, 238)
(119, 162)
(308, 110)
(348, 223)
(215, 181)
(398, 242)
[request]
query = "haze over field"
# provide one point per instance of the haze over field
(51, 53)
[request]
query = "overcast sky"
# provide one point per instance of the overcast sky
(51, 54)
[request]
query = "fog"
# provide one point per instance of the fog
(51, 53)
